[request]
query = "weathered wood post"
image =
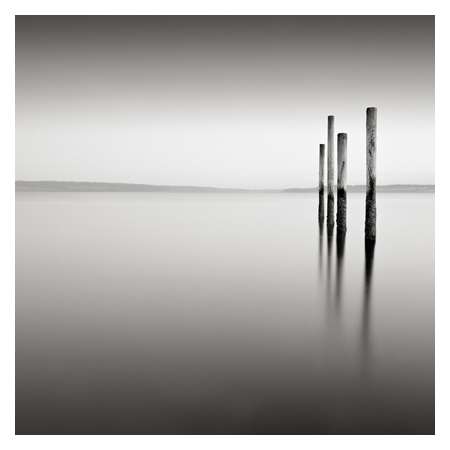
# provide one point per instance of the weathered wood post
(341, 218)
(330, 174)
(330, 198)
(371, 184)
(321, 182)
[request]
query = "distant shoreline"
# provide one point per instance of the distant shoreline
(82, 186)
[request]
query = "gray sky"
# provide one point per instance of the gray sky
(221, 101)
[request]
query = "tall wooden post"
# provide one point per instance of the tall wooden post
(330, 174)
(341, 218)
(321, 182)
(371, 184)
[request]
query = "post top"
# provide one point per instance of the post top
(342, 135)
(371, 109)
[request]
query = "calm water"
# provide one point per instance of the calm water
(221, 313)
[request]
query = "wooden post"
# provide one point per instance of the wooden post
(371, 184)
(321, 182)
(330, 174)
(341, 218)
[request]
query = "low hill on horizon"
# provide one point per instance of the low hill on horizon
(88, 186)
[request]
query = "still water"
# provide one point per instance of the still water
(157, 313)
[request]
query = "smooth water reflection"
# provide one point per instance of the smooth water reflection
(369, 249)
(340, 252)
(207, 313)
(320, 248)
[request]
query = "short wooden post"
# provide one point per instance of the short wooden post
(371, 184)
(330, 174)
(341, 218)
(321, 182)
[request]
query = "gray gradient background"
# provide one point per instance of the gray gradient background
(221, 101)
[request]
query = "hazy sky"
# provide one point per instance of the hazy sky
(221, 101)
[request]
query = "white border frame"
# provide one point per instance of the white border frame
(7, 171)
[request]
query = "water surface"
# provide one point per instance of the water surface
(222, 313)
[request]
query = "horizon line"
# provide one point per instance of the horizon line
(67, 183)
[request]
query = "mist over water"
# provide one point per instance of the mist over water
(226, 101)
(222, 313)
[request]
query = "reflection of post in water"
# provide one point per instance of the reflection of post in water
(369, 257)
(340, 250)
(330, 233)
(320, 247)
